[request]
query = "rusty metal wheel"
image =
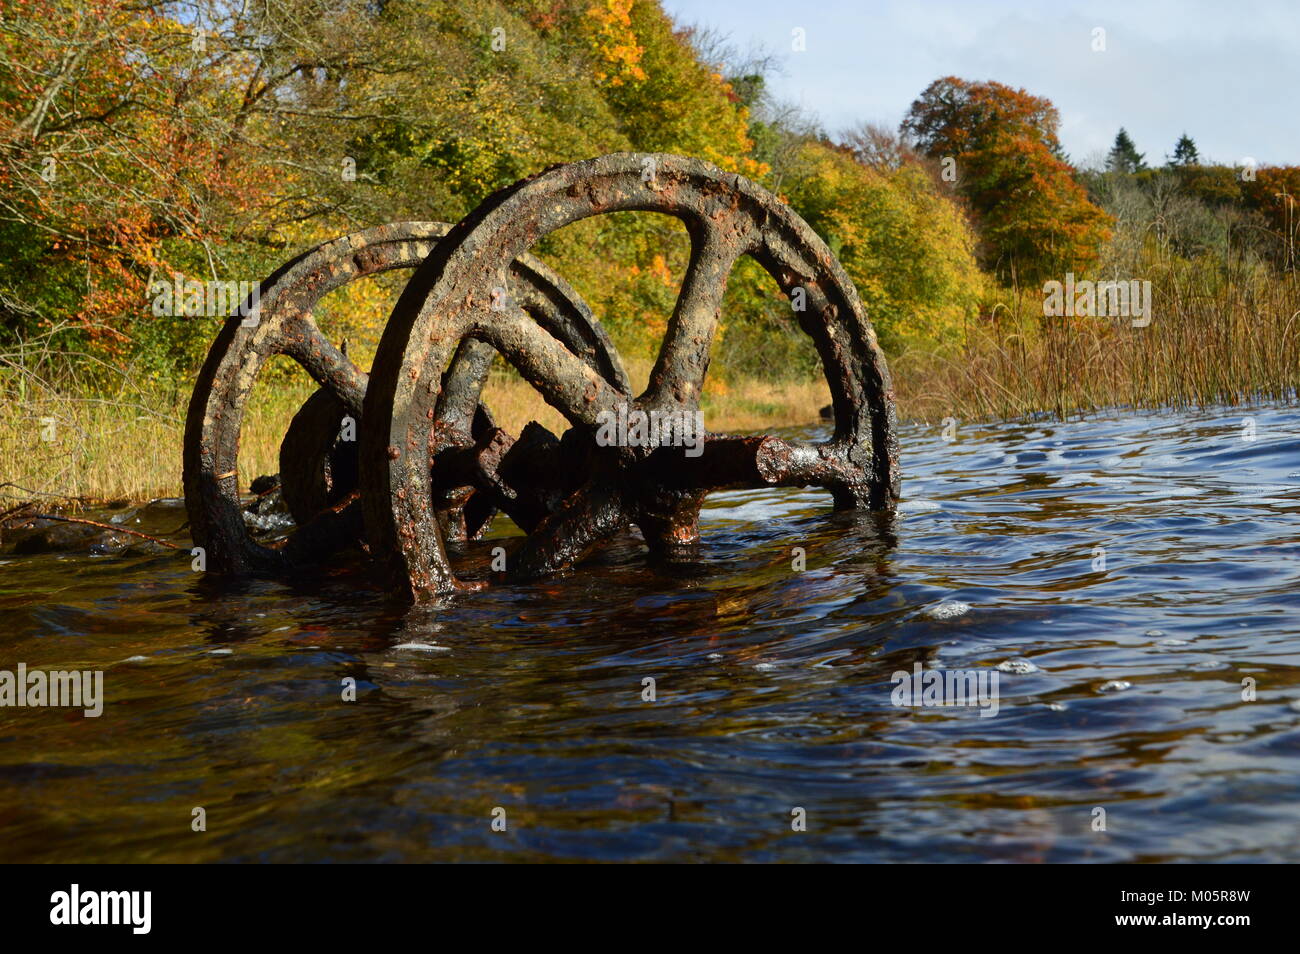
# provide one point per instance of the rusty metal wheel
(448, 303)
(321, 484)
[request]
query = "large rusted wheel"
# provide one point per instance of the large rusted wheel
(320, 483)
(448, 303)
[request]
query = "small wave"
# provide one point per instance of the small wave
(1019, 666)
(270, 521)
(948, 609)
(1176, 490)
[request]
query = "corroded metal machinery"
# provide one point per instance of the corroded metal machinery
(430, 468)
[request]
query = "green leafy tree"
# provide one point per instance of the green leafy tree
(905, 244)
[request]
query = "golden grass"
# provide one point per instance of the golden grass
(63, 446)
(1212, 340)
(113, 449)
(745, 405)
(68, 447)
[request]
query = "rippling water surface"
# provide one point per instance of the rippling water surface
(1121, 688)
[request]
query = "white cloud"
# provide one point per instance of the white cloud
(1226, 74)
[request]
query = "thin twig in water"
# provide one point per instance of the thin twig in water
(106, 526)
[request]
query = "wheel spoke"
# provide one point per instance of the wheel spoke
(568, 385)
(591, 514)
(678, 375)
(462, 388)
(303, 341)
(557, 308)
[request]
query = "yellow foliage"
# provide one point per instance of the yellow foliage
(659, 268)
(907, 247)
(615, 41)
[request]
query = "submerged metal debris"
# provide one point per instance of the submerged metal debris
(407, 459)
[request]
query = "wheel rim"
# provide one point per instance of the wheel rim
(726, 216)
(285, 325)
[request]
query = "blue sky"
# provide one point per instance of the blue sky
(1228, 73)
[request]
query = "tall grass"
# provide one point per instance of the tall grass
(74, 426)
(1214, 338)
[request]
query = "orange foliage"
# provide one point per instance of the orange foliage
(1035, 219)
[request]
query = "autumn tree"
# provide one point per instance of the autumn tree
(1213, 185)
(1274, 192)
(905, 244)
(878, 146)
(1033, 216)
(138, 139)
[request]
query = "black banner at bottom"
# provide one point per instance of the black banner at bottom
(132, 904)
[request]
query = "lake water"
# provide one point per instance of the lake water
(1125, 687)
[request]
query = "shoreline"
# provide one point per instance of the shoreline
(732, 414)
